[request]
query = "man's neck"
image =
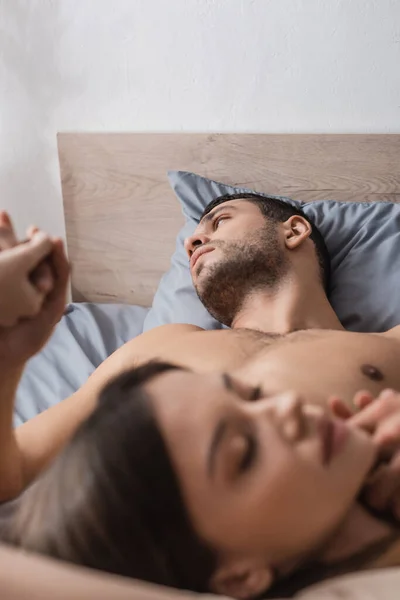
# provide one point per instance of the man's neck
(296, 304)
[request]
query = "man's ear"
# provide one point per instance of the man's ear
(296, 230)
(241, 578)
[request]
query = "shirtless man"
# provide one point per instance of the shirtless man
(259, 268)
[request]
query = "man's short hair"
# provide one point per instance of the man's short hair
(280, 211)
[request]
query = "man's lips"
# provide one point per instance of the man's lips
(197, 253)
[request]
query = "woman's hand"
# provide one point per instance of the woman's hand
(380, 417)
(25, 277)
(33, 286)
(20, 342)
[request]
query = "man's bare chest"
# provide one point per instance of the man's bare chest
(327, 363)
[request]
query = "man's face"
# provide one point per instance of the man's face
(234, 252)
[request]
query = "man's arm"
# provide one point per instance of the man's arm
(28, 577)
(41, 438)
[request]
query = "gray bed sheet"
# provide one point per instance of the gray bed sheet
(87, 334)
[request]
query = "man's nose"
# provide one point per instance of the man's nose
(193, 241)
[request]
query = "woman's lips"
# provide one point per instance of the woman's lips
(334, 434)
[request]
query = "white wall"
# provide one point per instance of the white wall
(184, 65)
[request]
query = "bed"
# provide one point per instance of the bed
(122, 219)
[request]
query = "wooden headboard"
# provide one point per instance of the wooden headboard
(122, 217)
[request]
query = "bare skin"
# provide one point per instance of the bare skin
(242, 455)
(320, 359)
(318, 364)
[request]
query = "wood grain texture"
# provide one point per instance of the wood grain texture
(122, 217)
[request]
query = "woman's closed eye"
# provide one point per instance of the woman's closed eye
(249, 454)
(255, 394)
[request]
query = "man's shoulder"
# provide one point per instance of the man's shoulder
(172, 329)
(173, 343)
(154, 342)
(393, 333)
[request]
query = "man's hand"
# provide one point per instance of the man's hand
(25, 277)
(380, 417)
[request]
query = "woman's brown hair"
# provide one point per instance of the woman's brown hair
(111, 500)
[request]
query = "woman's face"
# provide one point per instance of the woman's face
(267, 477)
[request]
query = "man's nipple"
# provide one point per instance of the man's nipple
(372, 372)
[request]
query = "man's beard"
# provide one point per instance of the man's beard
(256, 265)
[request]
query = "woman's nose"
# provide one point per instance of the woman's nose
(193, 241)
(291, 416)
(289, 405)
(286, 412)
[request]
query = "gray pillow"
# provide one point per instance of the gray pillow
(363, 241)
